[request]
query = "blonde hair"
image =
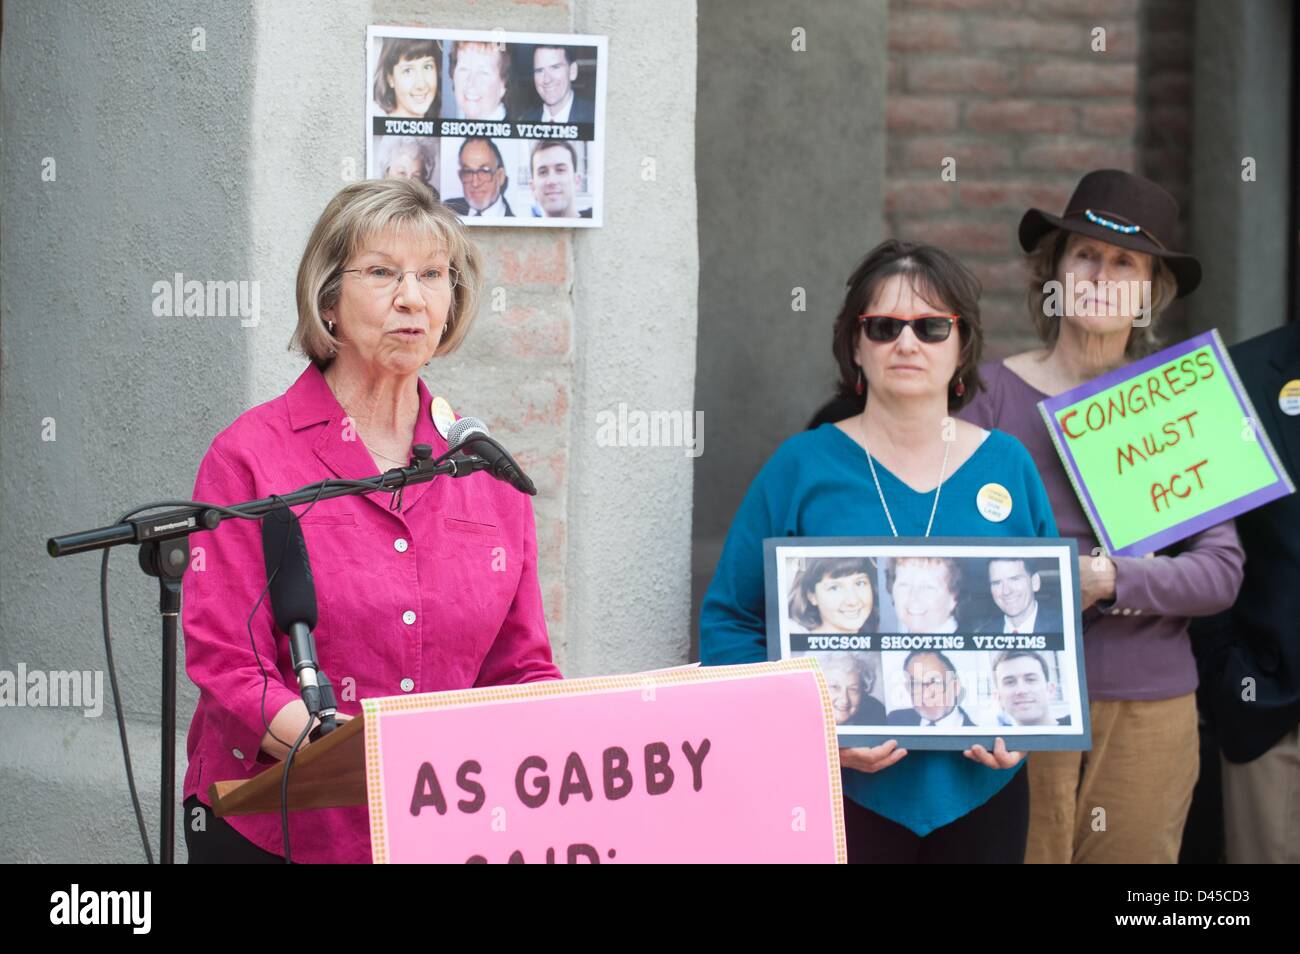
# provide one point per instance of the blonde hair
(1043, 262)
(358, 211)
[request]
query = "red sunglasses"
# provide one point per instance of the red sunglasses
(928, 328)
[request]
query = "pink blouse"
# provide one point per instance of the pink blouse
(442, 594)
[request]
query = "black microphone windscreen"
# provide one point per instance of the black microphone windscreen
(292, 593)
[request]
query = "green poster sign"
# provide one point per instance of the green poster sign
(1164, 448)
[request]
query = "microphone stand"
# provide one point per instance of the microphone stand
(328, 722)
(315, 687)
(164, 553)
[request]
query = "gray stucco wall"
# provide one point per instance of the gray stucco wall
(791, 171)
(215, 164)
(634, 341)
(151, 145)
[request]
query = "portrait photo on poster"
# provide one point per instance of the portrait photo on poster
(510, 126)
(939, 643)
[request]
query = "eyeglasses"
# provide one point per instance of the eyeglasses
(381, 278)
(481, 173)
(932, 680)
(928, 328)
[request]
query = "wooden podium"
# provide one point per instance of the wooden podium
(330, 773)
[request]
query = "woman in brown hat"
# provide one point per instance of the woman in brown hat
(1100, 275)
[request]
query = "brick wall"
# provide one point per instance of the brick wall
(1014, 92)
(1165, 118)
(516, 371)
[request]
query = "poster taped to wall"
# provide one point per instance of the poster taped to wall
(508, 128)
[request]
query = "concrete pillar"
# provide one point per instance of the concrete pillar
(1244, 111)
(791, 145)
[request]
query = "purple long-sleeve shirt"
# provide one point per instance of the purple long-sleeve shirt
(1136, 646)
(441, 594)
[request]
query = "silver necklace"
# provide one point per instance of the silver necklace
(384, 456)
(363, 440)
(943, 470)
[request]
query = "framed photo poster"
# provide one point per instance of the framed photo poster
(939, 643)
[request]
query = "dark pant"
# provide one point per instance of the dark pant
(994, 833)
(218, 843)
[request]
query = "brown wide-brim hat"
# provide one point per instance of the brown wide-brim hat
(1125, 210)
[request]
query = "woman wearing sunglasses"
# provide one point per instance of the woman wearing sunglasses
(1109, 248)
(908, 342)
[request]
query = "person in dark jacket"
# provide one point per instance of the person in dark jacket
(1250, 655)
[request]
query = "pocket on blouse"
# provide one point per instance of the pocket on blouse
(469, 541)
(461, 527)
(329, 520)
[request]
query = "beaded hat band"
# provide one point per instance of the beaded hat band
(1116, 223)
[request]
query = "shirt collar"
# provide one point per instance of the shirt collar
(1026, 627)
(496, 209)
(311, 401)
(561, 113)
(953, 718)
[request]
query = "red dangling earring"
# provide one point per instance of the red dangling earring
(859, 387)
(960, 389)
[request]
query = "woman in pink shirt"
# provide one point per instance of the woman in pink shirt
(439, 594)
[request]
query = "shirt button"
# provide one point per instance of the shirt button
(408, 617)
(400, 545)
(408, 685)
(237, 754)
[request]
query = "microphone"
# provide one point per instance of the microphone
(472, 434)
(293, 604)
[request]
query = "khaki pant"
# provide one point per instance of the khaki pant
(1124, 802)
(1261, 805)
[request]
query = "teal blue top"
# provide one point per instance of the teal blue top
(817, 485)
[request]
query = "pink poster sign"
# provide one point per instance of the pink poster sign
(718, 764)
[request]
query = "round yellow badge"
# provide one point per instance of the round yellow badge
(442, 415)
(993, 502)
(1288, 399)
